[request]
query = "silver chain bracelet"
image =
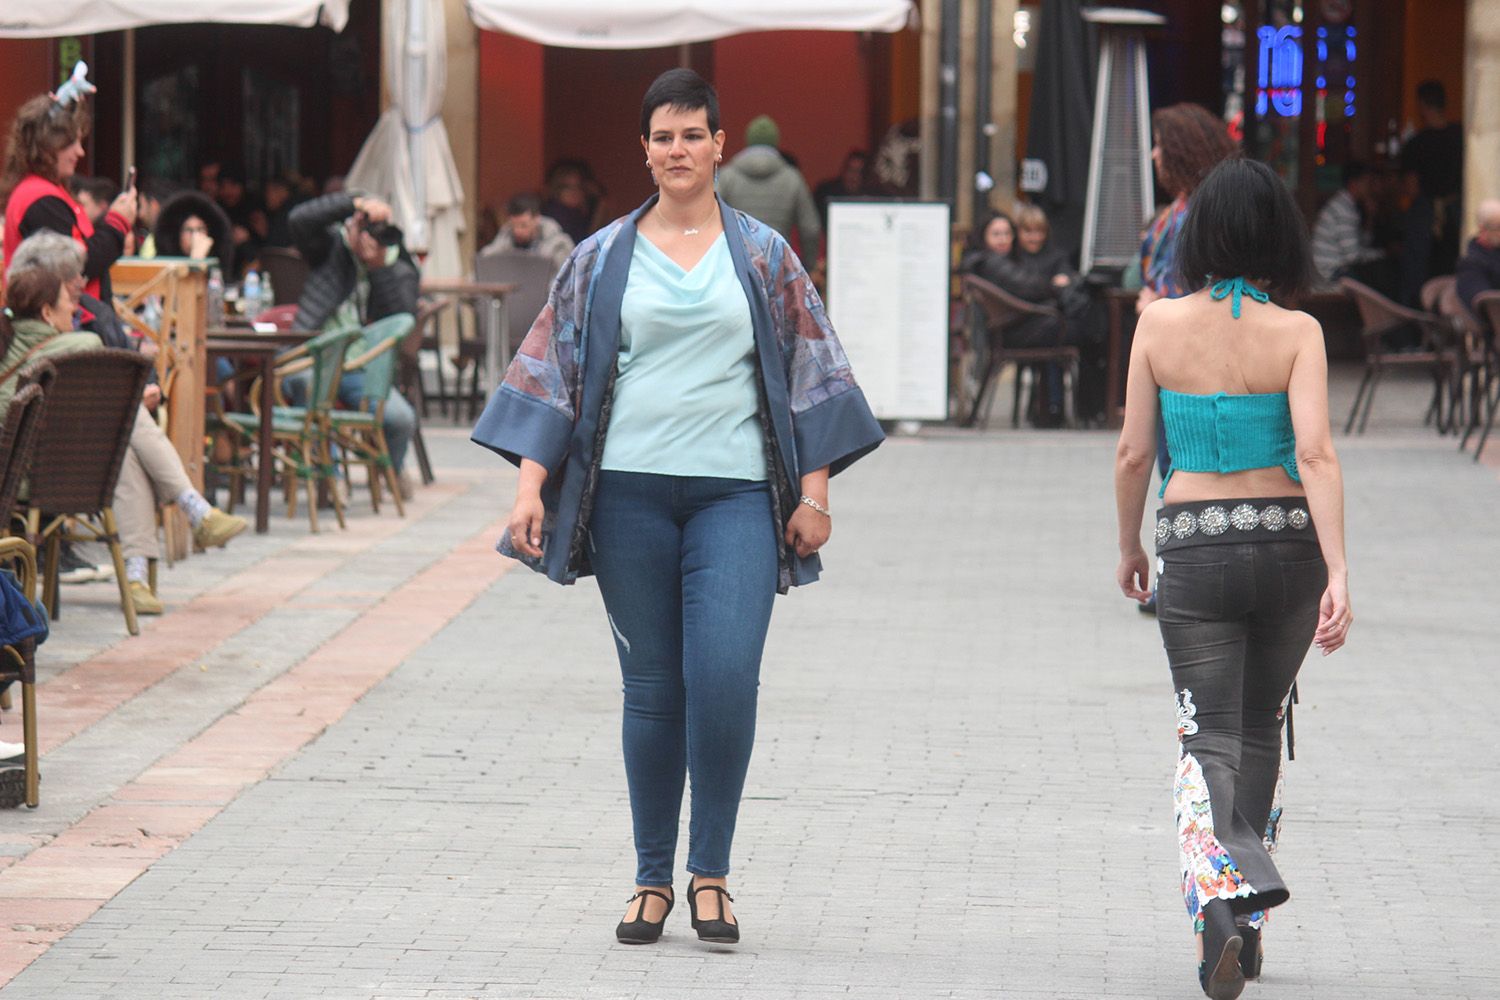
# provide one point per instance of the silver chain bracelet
(817, 506)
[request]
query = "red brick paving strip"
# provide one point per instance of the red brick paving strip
(82, 695)
(61, 884)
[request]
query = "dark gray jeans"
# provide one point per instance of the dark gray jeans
(1237, 617)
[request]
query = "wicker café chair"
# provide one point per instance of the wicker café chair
(90, 413)
(361, 433)
(1487, 305)
(23, 422)
(1437, 355)
(994, 310)
(303, 436)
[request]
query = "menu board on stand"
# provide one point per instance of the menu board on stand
(888, 291)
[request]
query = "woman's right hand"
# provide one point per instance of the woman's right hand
(525, 526)
(200, 245)
(1334, 615)
(125, 206)
(1133, 575)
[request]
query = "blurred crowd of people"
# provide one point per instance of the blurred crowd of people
(763, 180)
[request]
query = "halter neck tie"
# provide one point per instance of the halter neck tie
(1236, 287)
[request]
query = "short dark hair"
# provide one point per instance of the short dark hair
(1243, 222)
(101, 189)
(1353, 171)
(681, 90)
(1433, 94)
(524, 203)
(29, 289)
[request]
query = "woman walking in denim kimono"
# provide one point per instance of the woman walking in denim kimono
(676, 412)
(1250, 540)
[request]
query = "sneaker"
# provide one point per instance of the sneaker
(146, 603)
(217, 528)
(406, 484)
(73, 568)
(12, 753)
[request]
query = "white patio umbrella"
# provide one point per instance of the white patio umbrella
(407, 158)
(639, 24)
(56, 18)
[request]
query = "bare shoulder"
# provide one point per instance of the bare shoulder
(1301, 326)
(1160, 316)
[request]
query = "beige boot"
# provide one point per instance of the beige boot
(217, 528)
(146, 603)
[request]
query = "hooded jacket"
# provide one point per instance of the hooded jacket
(760, 183)
(553, 406)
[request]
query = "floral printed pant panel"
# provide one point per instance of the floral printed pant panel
(1236, 621)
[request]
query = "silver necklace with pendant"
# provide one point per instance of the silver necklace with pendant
(691, 230)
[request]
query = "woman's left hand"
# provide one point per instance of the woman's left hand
(808, 530)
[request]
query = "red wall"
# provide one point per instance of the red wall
(538, 105)
(814, 83)
(24, 66)
(511, 110)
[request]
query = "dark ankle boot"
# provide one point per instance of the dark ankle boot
(1220, 974)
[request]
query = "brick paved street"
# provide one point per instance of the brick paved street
(960, 787)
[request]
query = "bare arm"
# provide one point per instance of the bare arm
(1323, 479)
(1133, 458)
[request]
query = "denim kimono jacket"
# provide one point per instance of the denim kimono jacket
(553, 406)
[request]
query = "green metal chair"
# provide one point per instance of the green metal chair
(303, 436)
(360, 434)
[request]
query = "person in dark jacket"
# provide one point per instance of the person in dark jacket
(359, 272)
(1479, 268)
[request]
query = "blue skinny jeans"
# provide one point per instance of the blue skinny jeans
(687, 569)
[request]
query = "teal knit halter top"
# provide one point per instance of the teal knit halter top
(1229, 433)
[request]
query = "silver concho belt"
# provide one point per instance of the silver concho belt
(1210, 522)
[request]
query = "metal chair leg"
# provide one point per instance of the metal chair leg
(127, 603)
(28, 738)
(1369, 400)
(1359, 396)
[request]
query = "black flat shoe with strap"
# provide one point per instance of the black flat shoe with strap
(715, 931)
(640, 930)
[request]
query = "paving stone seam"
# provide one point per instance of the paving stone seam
(61, 884)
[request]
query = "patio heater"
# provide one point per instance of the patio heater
(1121, 195)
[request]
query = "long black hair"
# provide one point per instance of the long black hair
(1243, 222)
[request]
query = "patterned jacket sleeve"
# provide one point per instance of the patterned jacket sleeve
(831, 422)
(531, 414)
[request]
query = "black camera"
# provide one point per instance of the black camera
(385, 233)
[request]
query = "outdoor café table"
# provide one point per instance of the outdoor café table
(243, 344)
(496, 325)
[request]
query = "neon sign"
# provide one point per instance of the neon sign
(1280, 77)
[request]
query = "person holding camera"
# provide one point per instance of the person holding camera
(359, 272)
